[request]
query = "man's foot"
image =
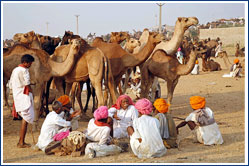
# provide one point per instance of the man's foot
(25, 145)
(91, 154)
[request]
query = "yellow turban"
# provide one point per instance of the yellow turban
(236, 61)
(64, 99)
(161, 105)
(197, 102)
(196, 62)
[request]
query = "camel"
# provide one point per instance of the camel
(239, 52)
(30, 39)
(131, 44)
(224, 56)
(42, 69)
(91, 64)
(118, 37)
(121, 60)
(166, 67)
(143, 40)
(209, 64)
(181, 25)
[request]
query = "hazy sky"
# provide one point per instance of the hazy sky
(103, 18)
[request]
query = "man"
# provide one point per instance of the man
(22, 95)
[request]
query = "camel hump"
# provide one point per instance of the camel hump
(95, 62)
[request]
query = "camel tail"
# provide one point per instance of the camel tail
(106, 71)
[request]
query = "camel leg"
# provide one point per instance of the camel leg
(127, 76)
(153, 88)
(171, 87)
(5, 95)
(97, 84)
(37, 94)
(89, 92)
(74, 90)
(58, 83)
(146, 81)
(94, 99)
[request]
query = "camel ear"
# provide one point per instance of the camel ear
(179, 19)
(69, 41)
(186, 19)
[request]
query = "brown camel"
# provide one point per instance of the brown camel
(91, 64)
(223, 55)
(42, 69)
(239, 52)
(121, 60)
(29, 39)
(119, 37)
(181, 25)
(209, 64)
(166, 67)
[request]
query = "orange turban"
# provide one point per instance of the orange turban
(196, 62)
(197, 102)
(161, 105)
(64, 99)
(236, 61)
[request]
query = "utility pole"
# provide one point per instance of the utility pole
(160, 16)
(156, 20)
(77, 23)
(47, 27)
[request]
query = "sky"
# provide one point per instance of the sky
(54, 18)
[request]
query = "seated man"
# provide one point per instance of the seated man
(167, 124)
(99, 130)
(145, 138)
(52, 125)
(68, 110)
(201, 122)
(235, 70)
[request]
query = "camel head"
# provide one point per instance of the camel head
(156, 37)
(118, 37)
(25, 38)
(131, 44)
(68, 35)
(183, 23)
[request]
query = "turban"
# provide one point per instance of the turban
(144, 106)
(64, 100)
(236, 61)
(101, 113)
(119, 100)
(197, 102)
(179, 49)
(196, 62)
(161, 105)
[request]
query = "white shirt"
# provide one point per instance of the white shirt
(195, 70)
(18, 80)
(147, 128)
(50, 127)
(127, 116)
(209, 134)
(99, 134)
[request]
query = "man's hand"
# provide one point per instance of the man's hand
(116, 116)
(75, 113)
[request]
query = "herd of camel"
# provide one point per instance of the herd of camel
(74, 62)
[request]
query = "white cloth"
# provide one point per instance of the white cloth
(136, 88)
(147, 128)
(209, 134)
(179, 56)
(51, 126)
(127, 116)
(24, 104)
(195, 70)
(101, 136)
(218, 49)
(164, 129)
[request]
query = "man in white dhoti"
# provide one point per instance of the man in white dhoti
(22, 95)
(201, 122)
(52, 125)
(99, 130)
(218, 49)
(195, 70)
(145, 138)
(123, 114)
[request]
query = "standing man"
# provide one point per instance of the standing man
(23, 97)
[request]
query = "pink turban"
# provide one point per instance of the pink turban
(144, 106)
(101, 113)
(119, 100)
(179, 49)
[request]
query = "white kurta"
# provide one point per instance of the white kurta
(209, 134)
(195, 70)
(74, 121)
(51, 126)
(147, 128)
(127, 116)
(24, 104)
(164, 129)
(101, 136)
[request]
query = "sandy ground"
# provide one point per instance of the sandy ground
(225, 96)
